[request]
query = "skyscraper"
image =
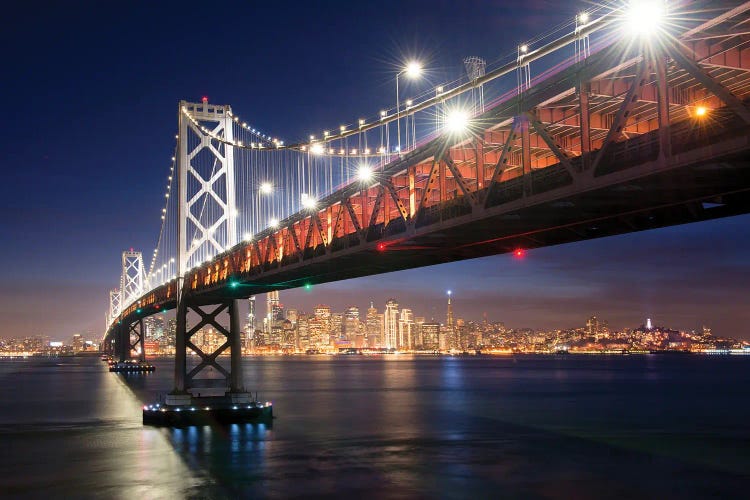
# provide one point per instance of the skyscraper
(251, 314)
(431, 336)
(391, 324)
(592, 326)
(373, 327)
(250, 326)
(292, 315)
(450, 341)
(449, 313)
(272, 304)
(320, 329)
(406, 329)
(351, 323)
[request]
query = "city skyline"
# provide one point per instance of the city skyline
(398, 327)
(68, 216)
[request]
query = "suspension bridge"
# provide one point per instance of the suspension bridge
(630, 117)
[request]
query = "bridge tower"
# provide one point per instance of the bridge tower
(114, 305)
(206, 214)
(132, 279)
(133, 284)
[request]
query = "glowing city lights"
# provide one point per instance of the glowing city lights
(701, 111)
(266, 188)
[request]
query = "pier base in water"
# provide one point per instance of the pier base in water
(228, 409)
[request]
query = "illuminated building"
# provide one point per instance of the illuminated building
(431, 336)
(373, 327)
(406, 329)
(390, 320)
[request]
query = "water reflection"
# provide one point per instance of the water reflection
(349, 426)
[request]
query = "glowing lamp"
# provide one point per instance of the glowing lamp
(308, 201)
(413, 69)
(381, 247)
(457, 121)
(701, 111)
(364, 173)
(643, 17)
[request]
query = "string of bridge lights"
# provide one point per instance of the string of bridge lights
(266, 142)
(170, 180)
(318, 145)
(273, 143)
(641, 18)
(267, 138)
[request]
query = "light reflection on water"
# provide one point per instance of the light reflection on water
(389, 426)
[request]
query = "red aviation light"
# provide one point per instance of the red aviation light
(204, 98)
(381, 247)
(519, 253)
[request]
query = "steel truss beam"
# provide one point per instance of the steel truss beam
(557, 149)
(499, 169)
(717, 89)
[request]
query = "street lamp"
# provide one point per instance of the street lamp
(364, 173)
(644, 17)
(457, 121)
(413, 69)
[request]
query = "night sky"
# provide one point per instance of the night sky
(90, 96)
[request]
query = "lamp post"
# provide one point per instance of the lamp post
(412, 70)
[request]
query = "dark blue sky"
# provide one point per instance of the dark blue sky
(92, 91)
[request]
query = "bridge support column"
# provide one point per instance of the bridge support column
(180, 396)
(235, 334)
(123, 343)
(188, 386)
(135, 337)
